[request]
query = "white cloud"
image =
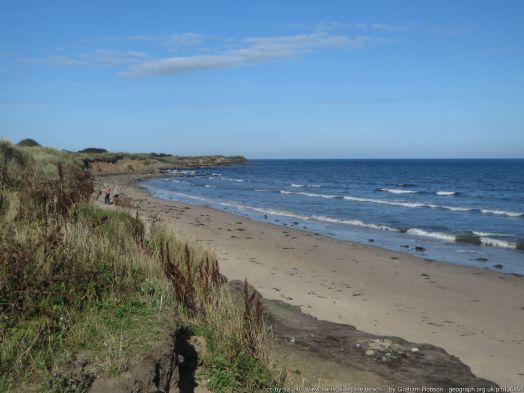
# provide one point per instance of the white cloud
(252, 51)
(197, 51)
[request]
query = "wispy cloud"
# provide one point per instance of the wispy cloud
(251, 51)
(380, 27)
(173, 54)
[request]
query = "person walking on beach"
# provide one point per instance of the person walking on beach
(107, 199)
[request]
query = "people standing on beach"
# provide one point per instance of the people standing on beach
(107, 199)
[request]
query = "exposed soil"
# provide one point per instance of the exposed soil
(328, 354)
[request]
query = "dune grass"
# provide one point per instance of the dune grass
(80, 281)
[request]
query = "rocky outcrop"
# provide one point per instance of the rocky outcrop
(133, 164)
(387, 361)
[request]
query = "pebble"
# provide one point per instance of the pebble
(415, 350)
(292, 340)
(370, 352)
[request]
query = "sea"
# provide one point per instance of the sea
(467, 212)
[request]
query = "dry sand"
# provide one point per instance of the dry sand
(476, 315)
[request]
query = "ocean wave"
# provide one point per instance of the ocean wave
(409, 204)
(305, 185)
(309, 194)
(436, 235)
(318, 218)
(395, 191)
(283, 213)
(468, 238)
(230, 179)
(210, 186)
(478, 233)
(501, 213)
(180, 181)
(385, 202)
(433, 206)
(354, 222)
(447, 193)
(487, 241)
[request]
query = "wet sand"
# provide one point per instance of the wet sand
(476, 315)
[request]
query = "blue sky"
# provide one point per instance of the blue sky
(266, 79)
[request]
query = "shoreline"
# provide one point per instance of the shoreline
(474, 314)
(422, 233)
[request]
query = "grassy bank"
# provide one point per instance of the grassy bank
(80, 282)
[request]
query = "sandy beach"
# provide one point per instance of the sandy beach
(476, 315)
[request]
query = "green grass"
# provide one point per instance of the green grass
(80, 281)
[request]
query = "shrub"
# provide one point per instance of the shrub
(28, 143)
(93, 150)
(76, 277)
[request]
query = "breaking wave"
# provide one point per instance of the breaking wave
(408, 204)
(305, 185)
(309, 194)
(436, 235)
(433, 206)
(395, 191)
(468, 238)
